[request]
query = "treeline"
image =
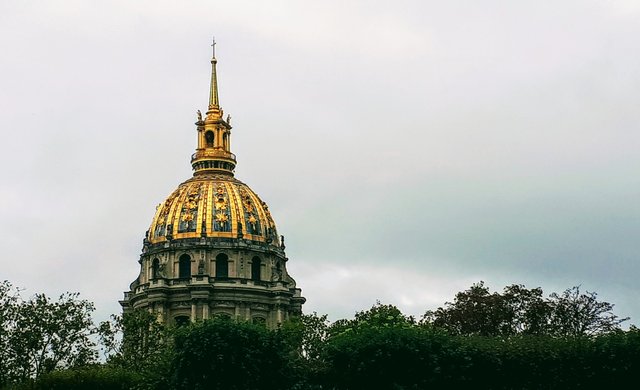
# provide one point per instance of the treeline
(517, 339)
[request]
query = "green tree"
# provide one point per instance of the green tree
(103, 377)
(40, 335)
(388, 357)
(527, 311)
(223, 354)
(581, 314)
(522, 311)
(9, 304)
(306, 334)
(134, 340)
(475, 311)
(378, 316)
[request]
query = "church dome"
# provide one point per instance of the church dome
(212, 247)
(213, 205)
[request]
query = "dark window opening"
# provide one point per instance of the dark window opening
(208, 136)
(155, 269)
(255, 268)
(259, 321)
(184, 267)
(181, 320)
(222, 266)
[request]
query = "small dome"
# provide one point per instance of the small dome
(213, 205)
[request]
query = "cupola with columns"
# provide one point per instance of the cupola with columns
(214, 134)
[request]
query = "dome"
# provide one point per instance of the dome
(212, 247)
(213, 205)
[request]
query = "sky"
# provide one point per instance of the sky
(406, 149)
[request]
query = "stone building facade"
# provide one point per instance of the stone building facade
(213, 248)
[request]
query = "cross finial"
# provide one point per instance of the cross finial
(213, 45)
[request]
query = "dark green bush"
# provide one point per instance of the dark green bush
(88, 378)
(223, 354)
(418, 358)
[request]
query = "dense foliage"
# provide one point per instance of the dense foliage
(102, 377)
(516, 339)
(223, 354)
(39, 335)
(522, 311)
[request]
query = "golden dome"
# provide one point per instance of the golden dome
(213, 205)
(212, 248)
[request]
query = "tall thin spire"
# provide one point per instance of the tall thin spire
(213, 154)
(213, 93)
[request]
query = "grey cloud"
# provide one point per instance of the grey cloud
(443, 141)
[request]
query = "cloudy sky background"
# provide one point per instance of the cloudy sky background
(406, 149)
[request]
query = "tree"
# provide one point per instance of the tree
(9, 303)
(134, 340)
(379, 316)
(396, 355)
(477, 311)
(40, 334)
(522, 311)
(137, 343)
(581, 314)
(307, 334)
(103, 377)
(527, 310)
(224, 354)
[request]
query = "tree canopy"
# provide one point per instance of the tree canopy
(517, 338)
(40, 334)
(518, 310)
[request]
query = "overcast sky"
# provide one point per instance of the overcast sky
(406, 149)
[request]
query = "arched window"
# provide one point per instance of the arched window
(181, 320)
(184, 266)
(208, 136)
(255, 268)
(222, 266)
(223, 315)
(155, 269)
(259, 321)
(225, 140)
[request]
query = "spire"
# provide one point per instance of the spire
(213, 154)
(213, 91)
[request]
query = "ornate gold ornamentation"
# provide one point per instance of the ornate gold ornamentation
(246, 201)
(268, 213)
(220, 203)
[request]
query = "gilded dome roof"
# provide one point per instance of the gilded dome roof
(213, 205)
(212, 248)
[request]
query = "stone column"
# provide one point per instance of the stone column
(205, 310)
